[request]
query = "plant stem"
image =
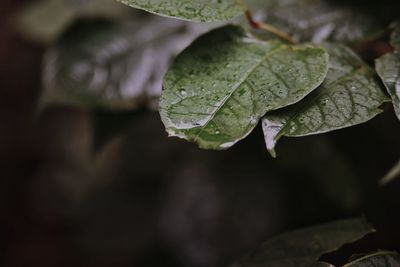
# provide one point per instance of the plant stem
(264, 26)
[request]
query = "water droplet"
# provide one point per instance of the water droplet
(183, 92)
(253, 120)
(217, 132)
(227, 65)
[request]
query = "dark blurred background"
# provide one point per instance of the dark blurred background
(75, 190)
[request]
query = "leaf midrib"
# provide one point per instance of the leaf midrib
(240, 83)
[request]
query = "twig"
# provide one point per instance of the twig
(264, 26)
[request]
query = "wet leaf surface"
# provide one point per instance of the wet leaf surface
(350, 95)
(194, 10)
(217, 89)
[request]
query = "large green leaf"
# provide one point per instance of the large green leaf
(350, 95)
(377, 259)
(388, 68)
(194, 10)
(302, 248)
(217, 89)
(322, 20)
(113, 65)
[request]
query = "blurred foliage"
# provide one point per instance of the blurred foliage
(87, 185)
(304, 247)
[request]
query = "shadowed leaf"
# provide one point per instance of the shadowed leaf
(113, 65)
(322, 20)
(388, 68)
(302, 248)
(377, 259)
(45, 20)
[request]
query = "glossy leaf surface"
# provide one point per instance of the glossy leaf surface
(350, 95)
(217, 89)
(194, 10)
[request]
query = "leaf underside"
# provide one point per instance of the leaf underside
(350, 95)
(302, 248)
(217, 89)
(193, 10)
(388, 68)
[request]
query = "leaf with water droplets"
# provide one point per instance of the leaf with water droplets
(350, 95)
(376, 259)
(194, 10)
(113, 65)
(218, 89)
(302, 248)
(388, 68)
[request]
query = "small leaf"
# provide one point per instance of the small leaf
(112, 65)
(194, 10)
(388, 68)
(217, 89)
(350, 95)
(377, 259)
(302, 248)
(392, 174)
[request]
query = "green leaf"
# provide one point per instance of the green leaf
(388, 68)
(112, 65)
(217, 89)
(377, 259)
(392, 174)
(350, 95)
(194, 10)
(322, 20)
(302, 248)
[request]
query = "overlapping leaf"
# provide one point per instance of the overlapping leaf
(302, 248)
(376, 259)
(350, 95)
(388, 68)
(194, 10)
(113, 65)
(217, 89)
(322, 20)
